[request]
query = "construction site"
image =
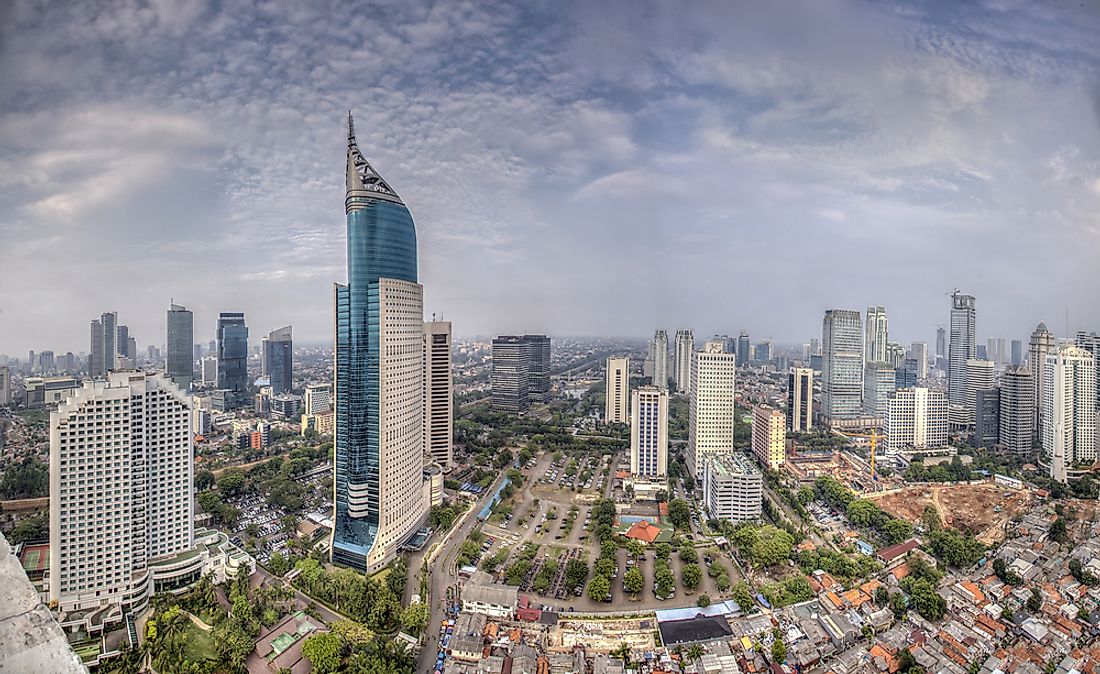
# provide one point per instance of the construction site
(981, 508)
(603, 635)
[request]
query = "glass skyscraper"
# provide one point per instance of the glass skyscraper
(232, 341)
(277, 359)
(181, 337)
(378, 374)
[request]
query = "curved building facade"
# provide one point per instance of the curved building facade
(379, 397)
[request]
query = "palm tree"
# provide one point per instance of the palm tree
(695, 651)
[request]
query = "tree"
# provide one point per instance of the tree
(636, 548)
(927, 602)
(1058, 531)
(1035, 601)
(414, 619)
(896, 531)
(663, 581)
(599, 588)
(882, 596)
(662, 551)
(863, 513)
(323, 651)
(742, 596)
(690, 575)
(679, 513)
(231, 482)
(576, 572)
(204, 480)
(779, 651)
(772, 546)
(906, 661)
(633, 581)
(704, 600)
(605, 566)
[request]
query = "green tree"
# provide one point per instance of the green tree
(742, 596)
(690, 575)
(323, 652)
(663, 581)
(576, 572)
(906, 661)
(633, 581)
(204, 480)
(231, 482)
(636, 548)
(679, 513)
(896, 531)
(414, 619)
(704, 600)
(927, 602)
(779, 651)
(1035, 601)
(662, 551)
(599, 587)
(1058, 531)
(772, 546)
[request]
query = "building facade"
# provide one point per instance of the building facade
(744, 349)
(439, 394)
(1016, 416)
(800, 400)
(277, 359)
(103, 348)
(841, 364)
(658, 350)
(916, 419)
(877, 334)
(980, 376)
(318, 399)
(987, 418)
(510, 377)
(380, 498)
(685, 347)
(232, 338)
(5, 386)
(733, 488)
(769, 436)
(617, 394)
(538, 367)
(918, 351)
(962, 346)
(180, 343)
(649, 432)
(1041, 343)
(879, 381)
(1069, 409)
(711, 410)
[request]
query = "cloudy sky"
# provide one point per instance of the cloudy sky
(576, 168)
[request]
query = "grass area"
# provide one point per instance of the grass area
(87, 650)
(197, 645)
(556, 552)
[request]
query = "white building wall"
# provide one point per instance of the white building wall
(712, 406)
(617, 394)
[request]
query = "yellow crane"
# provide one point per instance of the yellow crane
(874, 436)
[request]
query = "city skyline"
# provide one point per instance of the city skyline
(729, 133)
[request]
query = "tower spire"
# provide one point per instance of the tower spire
(362, 178)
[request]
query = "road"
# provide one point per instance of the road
(793, 516)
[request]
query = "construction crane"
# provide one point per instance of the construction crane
(874, 437)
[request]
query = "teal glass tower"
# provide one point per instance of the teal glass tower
(381, 249)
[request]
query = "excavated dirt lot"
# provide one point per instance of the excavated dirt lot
(980, 508)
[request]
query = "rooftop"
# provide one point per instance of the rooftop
(733, 464)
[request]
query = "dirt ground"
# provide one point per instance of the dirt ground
(981, 508)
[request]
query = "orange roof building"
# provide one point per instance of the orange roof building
(643, 531)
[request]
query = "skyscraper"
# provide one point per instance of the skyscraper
(5, 386)
(379, 375)
(918, 351)
(916, 418)
(733, 488)
(318, 399)
(841, 364)
(123, 342)
(1090, 341)
(1016, 417)
(538, 367)
(181, 337)
(617, 392)
(649, 431)
(1041, 343)
(895, 354)
(1069, 409)
(962, 346)
(439, 394)
(800, 399)
(979, 377)
(277, 359)
(658, 350)
(685, 347)
(878, 383)
(769, 436)
(744, 349)
(135, 463)
(906, 375)
(711, 411)
(509, 379)
(1017, 352)
(874, 343)
(104, 336)
(941, 342)
(232, 338)
(987, 415)
(763, 351)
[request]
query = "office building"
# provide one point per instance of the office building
(380, 495)
(987, 415)
(918, 351)
(1090, 341)
(895, 354)
(232, 338)
(979, 377)
(277, 360)
(769, 436)
(5, 386)
(180, 343)
(208, 370)
(841, 364)
(685, 347)
(1069, 409)
(981, 351)
(916, 419)
(48, 391)
(906, 375)
(744, 349)
(711, 410)
(538, 367)
(800, 400)
(874, 342)
(962, 346)
(439, 394)
(509, 378)
(1017, 352)
(1041, 343)
(658, 352)
(941, 342)
(763, 352)
(617, 391)
(878, 383)
(318, 399)
(733, 488)
(121, 490)
(126, 345)
(103, 351)
(649, 432)
(1016, 416)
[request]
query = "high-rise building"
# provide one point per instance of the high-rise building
(5, 386)
(962, 346)
(877, 332)
(277, 359)
(1017, 352)
(916, 418)
(991, 350)
(181, 335)
(318, 399)
(649, 431)
(1090, 341)
(941, 342)
(879, 381)
(842, 364)
(744, 349)
(123, 342)
(380, 499)
(1016, 416)
(46, 361)
(685, 347)
(439, 394)
(509, 378)
(981, 352)
(800, 399)
(104, 353)
(1000, 357)
(895, 355)
(763, 352)
(769, 436)
(979, 377)
(658, 350)
(1069, 409)
(617, 393)
(232, 338)
(918, 351)
(538, 367)
(1041, 343)
(987, 418)
(208, 370)
(733, 488)
(135, 463)
(906, 375)
(711, 412)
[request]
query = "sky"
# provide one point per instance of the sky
(574, 168)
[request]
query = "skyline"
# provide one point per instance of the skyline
(554, 161)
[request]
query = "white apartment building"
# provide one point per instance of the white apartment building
(318, 399)
(916, 418)
(733, 488)
(617, 395)
(712, 409)
(685, 347)
(980, 376)
(769, 436)
(1069, 409)
(649, 432)
(438, 394)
